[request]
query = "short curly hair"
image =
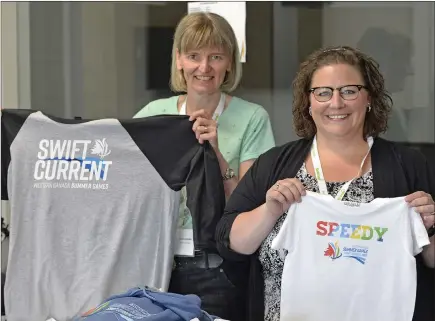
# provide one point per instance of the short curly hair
(376, 121)
(203, 29)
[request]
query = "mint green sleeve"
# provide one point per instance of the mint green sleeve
(258, 137)
(144, 112)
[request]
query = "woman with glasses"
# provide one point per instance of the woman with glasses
(340, 107)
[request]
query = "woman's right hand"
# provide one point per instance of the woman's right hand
(283, 194)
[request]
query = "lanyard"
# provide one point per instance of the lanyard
(319, 173)
(217, 112)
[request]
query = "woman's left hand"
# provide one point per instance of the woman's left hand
(205, 128)
(423, 204)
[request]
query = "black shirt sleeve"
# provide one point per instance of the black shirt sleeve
(205, 196)
(170, 145)
(248, 195)
(6, 159)
(419, 171)
(423, 171)
(12, 121)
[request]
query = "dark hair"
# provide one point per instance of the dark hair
(376, 121)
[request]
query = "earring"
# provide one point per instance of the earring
(309, 111)
(369, 107)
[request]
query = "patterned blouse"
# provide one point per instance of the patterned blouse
(361, 190)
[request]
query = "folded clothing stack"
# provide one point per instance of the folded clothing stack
(149, 304)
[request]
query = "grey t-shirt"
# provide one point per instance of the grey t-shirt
(94, 207)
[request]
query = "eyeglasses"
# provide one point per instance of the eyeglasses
(348, 92)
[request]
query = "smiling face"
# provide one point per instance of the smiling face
(204, 69)
(338, 116)
(205, 55)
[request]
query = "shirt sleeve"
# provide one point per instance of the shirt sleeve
(144, 112)
(258, 137)
(419, 234)
(420, 174)
(6, 159)
(170, 145)
(248, 195)
(11, 122)
(205, 196)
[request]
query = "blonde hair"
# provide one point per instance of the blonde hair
(205, 29)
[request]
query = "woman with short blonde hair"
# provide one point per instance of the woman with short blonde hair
(205, 30)
(206, 68)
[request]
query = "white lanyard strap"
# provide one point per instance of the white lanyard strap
(319, 173)
(217, 112)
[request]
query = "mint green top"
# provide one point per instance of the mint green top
(244, 133)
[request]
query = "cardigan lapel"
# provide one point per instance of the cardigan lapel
(388, 175)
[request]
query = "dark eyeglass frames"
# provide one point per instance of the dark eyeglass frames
(348, 92)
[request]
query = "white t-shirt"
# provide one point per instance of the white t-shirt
(349, 261)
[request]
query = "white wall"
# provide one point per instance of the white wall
(9, 89)
(15, 74)
(9, 59)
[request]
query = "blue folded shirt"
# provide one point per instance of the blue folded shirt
(150, 305)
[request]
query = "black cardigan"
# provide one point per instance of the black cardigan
(397, 171)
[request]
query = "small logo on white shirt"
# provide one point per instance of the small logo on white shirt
(357, 252)
(352, 204)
